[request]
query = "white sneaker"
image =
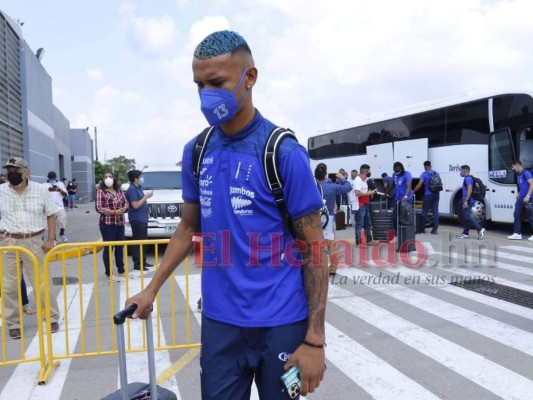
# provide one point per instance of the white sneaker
(530, 238)
(462, 236)
(481, 233)
(64, 239)
(515, 236)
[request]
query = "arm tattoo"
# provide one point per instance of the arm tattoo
(315, 272)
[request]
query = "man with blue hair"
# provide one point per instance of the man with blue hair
(263, 302)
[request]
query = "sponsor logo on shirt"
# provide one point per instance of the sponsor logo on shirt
(241, 200)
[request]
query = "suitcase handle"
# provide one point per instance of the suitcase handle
(120, 317)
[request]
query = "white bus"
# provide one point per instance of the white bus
(485, 132)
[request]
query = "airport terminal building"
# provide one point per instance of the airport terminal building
(31, 126)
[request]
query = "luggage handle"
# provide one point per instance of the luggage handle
(119, 319)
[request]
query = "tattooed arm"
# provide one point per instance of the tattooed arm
(310, 360)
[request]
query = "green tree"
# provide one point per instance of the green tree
(120, 166)
(100, 169)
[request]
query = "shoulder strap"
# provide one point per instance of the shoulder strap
(198, 150)
(270, 166)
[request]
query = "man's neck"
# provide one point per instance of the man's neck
(20, 188)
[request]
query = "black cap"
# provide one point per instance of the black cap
(52, 175)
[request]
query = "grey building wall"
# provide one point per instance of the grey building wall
(30, 124)
(62, 166)
(81, 146)
(43, 136)
(11, 133)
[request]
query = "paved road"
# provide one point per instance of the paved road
(396, 328)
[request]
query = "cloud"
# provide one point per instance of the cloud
(94, 73)
(150, 34)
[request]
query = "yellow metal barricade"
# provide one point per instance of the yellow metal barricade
(88, 301)
(10, 354)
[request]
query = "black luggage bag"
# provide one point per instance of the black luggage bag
(406, 227)
(340, 220)
(137, 390)
(382, 221)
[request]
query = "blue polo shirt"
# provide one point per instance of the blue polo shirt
(250, 278)
(400, 182)
(332, 190)
(140, 214)
(426, 176)
(469, 180)
(523, 185)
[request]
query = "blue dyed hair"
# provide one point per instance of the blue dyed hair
(221, 42)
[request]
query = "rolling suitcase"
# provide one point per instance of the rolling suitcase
(137, 390)
(340, 220)
(382, 221)
(406, 227)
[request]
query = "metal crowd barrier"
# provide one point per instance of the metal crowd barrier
(87, 302)
(10, 355)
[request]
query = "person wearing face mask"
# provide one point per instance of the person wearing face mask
(27, 209)
(402, 184)
(256, 305)
(524, 181)
(138, 217)
(363, 220)
(468, 202)
(111, 204)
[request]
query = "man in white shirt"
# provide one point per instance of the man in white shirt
(354, 202)
(27, 209)
(58, 191)
(362, 220)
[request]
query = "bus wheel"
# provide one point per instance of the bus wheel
(479, 213)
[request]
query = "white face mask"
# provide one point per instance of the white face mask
(108, 182)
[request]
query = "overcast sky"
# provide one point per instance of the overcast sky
(125, 66)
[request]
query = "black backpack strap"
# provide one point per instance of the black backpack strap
(198, 151)
(270, 166)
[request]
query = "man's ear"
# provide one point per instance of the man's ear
(251, 77)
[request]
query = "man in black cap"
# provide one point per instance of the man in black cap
(27, 209)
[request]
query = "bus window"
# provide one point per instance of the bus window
(526, 147)
(467, 123)
(501, 157)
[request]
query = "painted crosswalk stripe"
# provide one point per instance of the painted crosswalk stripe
(376, 376)
(18, 385)
(435, 281)
(470, 272)
(480, 324)
(518, 248)
(495, 378)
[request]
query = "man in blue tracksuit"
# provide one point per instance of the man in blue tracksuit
(524, 181)
(402, 181)
(257, 311)
(468, 202)
(430, 199)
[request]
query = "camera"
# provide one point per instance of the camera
(291, 381)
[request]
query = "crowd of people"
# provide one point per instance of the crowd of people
(355, 193)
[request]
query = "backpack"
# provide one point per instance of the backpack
(270, 164)
(478, 188)
(435, 183)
